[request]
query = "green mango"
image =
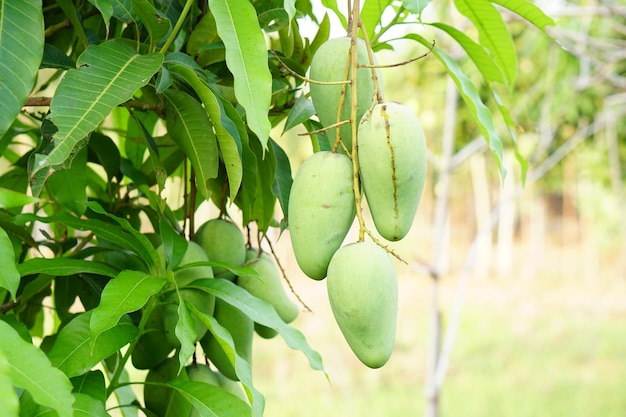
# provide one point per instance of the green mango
(163, 401)
(194, 254)
(363, 293)
(153, 347)
(268, 284)
(200, 300)
(329, 64)
(321, 210)
(240, 327)
(222, 242)
(392, 161)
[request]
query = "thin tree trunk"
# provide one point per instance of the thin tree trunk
(482, 208)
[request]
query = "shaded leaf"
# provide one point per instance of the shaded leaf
(74, 352)
(246, 57)
(301, 111)
(9, 275)
(283, 178)
(189, 126)
(91, 383)
(31, 370)
(64, 267)
(55, 58)
(209, 400)
(106, 9)
(108, 75)
(264, 198)
(68, 187)
(479, 111)
(493, 34)
(126, 293)
(21, 50)
(158, 27)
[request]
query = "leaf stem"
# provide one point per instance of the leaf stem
(179, 24)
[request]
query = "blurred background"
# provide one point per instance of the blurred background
(525, 282)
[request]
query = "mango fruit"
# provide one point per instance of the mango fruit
(392, 160)
(222, 242)
(329, 64)
(240, 327)
(186, 275)
(363, 293)
(321, 210)
(268, 284)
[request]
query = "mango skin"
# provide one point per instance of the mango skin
(363, 293)
(268, 285)
(223, 242)
(329, 64)
(321, 210)
(392, 160)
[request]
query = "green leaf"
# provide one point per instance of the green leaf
(108, 75)
(55, 58)
(103, 151)
(31, 370)
(73, 16)
(479, 111)
(372, 11)
(246, 57)
(68, 187)
(9, 406)
(74, 351)
(415, 6)
(21, 49)
(158, 27)
(485, 64)
(209, 400)
(86, 406)
(9, 275)
(322, 35)
(493, 34)
(283, 178)
(10, 198)
(64, 267)
(228, 136)
(301, 111)
(91, 383)
(189, 126)
(106, 9)
(203, 34)
(261, 312)
(185, 332)
(332, 5)
(264, 198)
(528, 11)
(242, 367)
(126, 293)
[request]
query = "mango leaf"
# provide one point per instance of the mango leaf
(261, 312)
(125, 395)
(246, 57)
(528, 11)
(9, 406)
(108, 75)
(242, 368)
(185, 332)
(189, 126)
(264, 198)
(415, 6)
(479, 111)
(493, 34)
(485, 64)
(322, 35)
(68, 187)
(74, 352)
(55, 58)
(283, 178)
(301, 111)
(227, 134)
(21, 50)
(31, 370)
(371, 13)
(72, 14)
(203, 34)
(249, 183)
(126, 293)
(9, 275)
(64, 267)
(209, 400)
(290, 7)
(106, 9)
(10, 198)
(157, 26)
(87, 406)
(332, 5)
(91, 383)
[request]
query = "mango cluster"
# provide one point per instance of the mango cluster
(391, 159)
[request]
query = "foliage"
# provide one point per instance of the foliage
(141, 93)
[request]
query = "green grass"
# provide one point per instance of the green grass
(519, 353)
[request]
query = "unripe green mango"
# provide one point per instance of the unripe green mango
(153, 347)
(363, 293)
(199, 299)
(321, 210)
(193, 254)
(223, 242)
(240, 327)
(392, 162)
(329, 64)
(268, 284)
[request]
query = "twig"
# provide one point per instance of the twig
(399, 64)
(303, 78)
